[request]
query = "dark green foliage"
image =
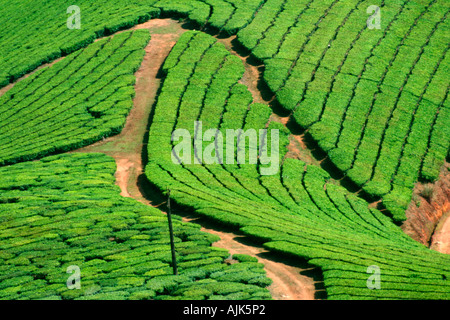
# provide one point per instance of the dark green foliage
(244, 258)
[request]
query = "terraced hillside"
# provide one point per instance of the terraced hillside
(65, 210)
(297, 211)
(374, 101)
(79, 100)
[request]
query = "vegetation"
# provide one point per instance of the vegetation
(76, 102)
(375, 100)
(43, 33)
(66, 210)
(296, 212)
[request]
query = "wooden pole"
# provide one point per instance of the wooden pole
(172, 243)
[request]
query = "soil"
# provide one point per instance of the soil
(288, 282)
(441, 237)
(123, 175)
(428, 214)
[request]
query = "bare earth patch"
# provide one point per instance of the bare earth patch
(441, 237)
(428, 214)
(288, 283)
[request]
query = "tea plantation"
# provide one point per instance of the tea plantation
(299, 211)
(374, 100)
(76, 102)
(66, 211)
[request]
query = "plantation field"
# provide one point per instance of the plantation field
(66, 210)
(373, 101)
(78, 101)
(297, 212)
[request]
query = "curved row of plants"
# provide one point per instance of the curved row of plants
(44, 35)
(317, 54)
(375, 100)
(76, 102)
(299, 211)
(66, 211)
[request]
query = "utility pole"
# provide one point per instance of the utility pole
(172, 244)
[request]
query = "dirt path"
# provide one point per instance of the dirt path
(252, 76)
(126, 148)
(123, 175)
(288, 282)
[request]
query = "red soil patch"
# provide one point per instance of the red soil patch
(123, 175)
(427, 216)
(296, 148)
(441, 237)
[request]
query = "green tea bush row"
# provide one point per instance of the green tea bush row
(53, 39)
(341, 80)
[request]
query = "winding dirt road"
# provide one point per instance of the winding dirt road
(127, 147)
